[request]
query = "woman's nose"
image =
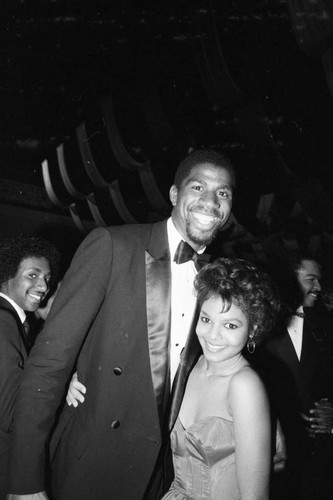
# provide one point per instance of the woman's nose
(215, 333)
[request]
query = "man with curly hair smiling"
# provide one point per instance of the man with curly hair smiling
(27, 265)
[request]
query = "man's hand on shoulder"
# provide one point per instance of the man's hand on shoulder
(32, 496)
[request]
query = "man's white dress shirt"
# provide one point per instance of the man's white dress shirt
(183, 299)
(295, 330)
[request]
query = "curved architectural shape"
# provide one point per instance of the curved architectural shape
(171, 142)
(121, 154)
(81, 226)
(49, 187)
(88, 159)
(73, 191)
(95, 211)
(151, 189)
(118, 200)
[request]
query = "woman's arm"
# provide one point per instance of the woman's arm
(251, 414)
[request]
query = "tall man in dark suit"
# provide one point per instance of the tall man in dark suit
(121, 317)
(26, 264)
(298, 367)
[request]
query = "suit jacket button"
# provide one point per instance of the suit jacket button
(117, 370)
(115, 424)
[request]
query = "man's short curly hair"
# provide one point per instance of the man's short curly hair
(200, 156)
(242, 283)
(14, 249)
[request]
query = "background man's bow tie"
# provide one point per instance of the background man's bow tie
(185, 252)
(299, 314)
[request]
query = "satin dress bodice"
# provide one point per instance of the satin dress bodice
(204, 461)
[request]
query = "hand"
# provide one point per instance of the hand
(280, 457)
(75, 392)
(32, 496)
(320, 418)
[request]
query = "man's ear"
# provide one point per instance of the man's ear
(173, 193)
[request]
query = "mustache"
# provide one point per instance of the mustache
(214, 212)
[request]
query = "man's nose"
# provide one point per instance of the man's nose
(317, 285)
(211, 198)
(42, 284)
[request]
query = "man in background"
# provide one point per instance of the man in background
(27, 265)
(297, 364)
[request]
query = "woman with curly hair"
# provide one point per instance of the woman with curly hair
(221, 441)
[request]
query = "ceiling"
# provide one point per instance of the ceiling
(178, 74)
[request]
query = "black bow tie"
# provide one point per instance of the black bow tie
(26, 327)
(185, 252)
(299, 314)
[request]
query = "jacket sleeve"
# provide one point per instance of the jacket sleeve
(12, 359)
(53, 358)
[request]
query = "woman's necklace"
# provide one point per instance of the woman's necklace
(221, 373)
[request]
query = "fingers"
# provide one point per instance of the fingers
(324, 403)
(74, 396)
(33, 496)
(318, 424)
(78, 386)
(75, 392)
(279, 461)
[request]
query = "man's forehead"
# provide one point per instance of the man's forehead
(34, 263)
(310, 268)
(205, 170)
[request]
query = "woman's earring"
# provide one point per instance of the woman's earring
(251, 345)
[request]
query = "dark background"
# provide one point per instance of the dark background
(239, 76)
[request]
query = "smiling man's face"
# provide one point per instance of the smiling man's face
(202, 204)
(30, 284)
(308, 277)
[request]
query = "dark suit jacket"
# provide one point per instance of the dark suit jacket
(13, 355)
(295, 385)
(111, 314)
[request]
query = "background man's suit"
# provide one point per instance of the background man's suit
(13, 354)
(114, 302)
(295, 385)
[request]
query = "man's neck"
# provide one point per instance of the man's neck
(198, 248)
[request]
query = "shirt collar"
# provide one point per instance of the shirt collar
(17, 308)
(174, 238)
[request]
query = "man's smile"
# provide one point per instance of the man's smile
(204, 218)
(36, 297)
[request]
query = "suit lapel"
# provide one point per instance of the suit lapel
(312, 345)
(158, 304)
(4, 304)
(286, 351)
(188, 359)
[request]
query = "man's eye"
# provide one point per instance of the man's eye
(204, 319)
(224, 194)
(197, 188)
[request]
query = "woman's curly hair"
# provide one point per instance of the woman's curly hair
(242, 283)
(14, 249)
